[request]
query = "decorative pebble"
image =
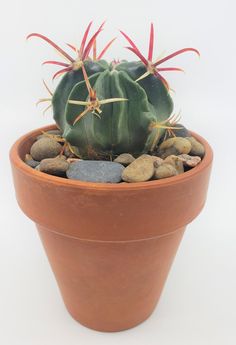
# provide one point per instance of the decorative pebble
(176, 162)
(140, 170)
(165, 170)
(190, 161)
(95, 171)
(124, 159)
(174, 146)
(197, 148)
(45, 148)
(54, 166)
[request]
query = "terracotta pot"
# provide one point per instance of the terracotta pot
(110, 246)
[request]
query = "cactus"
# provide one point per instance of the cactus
(105, 109)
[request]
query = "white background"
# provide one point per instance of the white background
(198, 305)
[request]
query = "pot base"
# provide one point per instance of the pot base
(110, 286)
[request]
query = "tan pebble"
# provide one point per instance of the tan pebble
(182, 145)
(174, 146)
(140, 170)
(165, 170)
(176, 162)
(45, 148)
(167, 143)
(124, 159)
(197, 149)
(190, 161)
(54, 166)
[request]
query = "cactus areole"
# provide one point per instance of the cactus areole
(108, 108)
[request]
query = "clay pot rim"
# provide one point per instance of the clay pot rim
(20, 164)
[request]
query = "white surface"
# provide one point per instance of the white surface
(198, 304)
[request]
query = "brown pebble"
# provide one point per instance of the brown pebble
(165, 170)
(197, 149)
(45, 148)
(176, 162)
(54, 166)
(124, 159)
(174, 146)
(190, 161)
(140, 170)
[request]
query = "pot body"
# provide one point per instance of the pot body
(110, 245)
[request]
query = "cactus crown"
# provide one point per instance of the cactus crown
(104, 109)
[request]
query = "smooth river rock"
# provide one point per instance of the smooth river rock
(124, 159)
(165, 170)
(54, 166)
(174, 146)
(140, 170)
(95, 171)
(197, 148)
(45, 148)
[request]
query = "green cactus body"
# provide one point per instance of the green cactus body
(123, 126)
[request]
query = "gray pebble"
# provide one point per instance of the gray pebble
(32, 163)
(124, 159)
(45, 148)
(54, 166)
(95, 171)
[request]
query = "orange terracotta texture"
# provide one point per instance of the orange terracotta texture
(110, 246)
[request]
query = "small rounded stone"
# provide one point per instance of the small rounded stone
(124, 159)
(176, 162)
(165, 170)
(190, 161)
(54, 166)
(197, 149)
(182, 145)
(174, 146)
(45, 148)
(140, 170)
